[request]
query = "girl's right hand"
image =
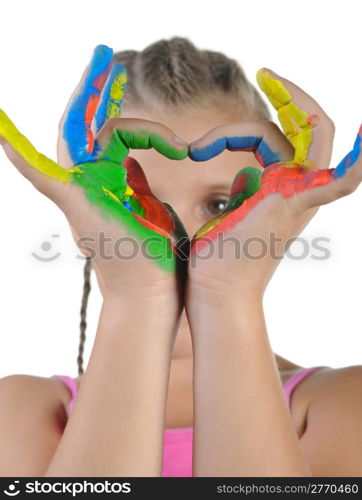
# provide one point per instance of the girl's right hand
(104, 193)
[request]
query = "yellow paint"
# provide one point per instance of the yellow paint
(209, 225)
(112, 195)
(129, 191)
(292, 119)
(28, 152)
(116, 94)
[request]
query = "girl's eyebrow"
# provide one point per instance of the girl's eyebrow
(220, 186)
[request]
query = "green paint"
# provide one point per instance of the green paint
(112, 209)
(252, 184)
(108, 174)
(123, 140)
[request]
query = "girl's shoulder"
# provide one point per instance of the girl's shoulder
(326, 379)
(332, 433)
(321, 390)
(37, 385)
(333, 382)
(34, 392)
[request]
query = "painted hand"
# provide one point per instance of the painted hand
(269, 207)
(98, 186)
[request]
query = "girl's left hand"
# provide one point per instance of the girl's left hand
(239, 250)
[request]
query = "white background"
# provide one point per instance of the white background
(312, 307)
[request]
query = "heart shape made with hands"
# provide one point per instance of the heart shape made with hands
(94, 144)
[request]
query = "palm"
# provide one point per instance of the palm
(286, 194)
(94, 139)
(130, 236)
(96, 184)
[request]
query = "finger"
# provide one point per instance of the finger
(324, 186)
(111, 97)
(246, 183)
(75, 125)
(263, 138)
(46, 175)
(119, 135)
(304, 122)
(351, 158)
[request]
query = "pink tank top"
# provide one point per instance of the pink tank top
(177, 446)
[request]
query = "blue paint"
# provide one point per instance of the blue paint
(236, 143)
(127, 205)
(101, 114)
(349, 159)
(75, 126)
(209, 151)
(97, 150)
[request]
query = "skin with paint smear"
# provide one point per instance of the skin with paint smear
(111, 180)
(97, 148)
(284, 177)
(288, 187)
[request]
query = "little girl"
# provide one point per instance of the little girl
(182, 380)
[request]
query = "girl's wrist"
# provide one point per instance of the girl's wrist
(241, 297)
(217, 315)
(142, 315)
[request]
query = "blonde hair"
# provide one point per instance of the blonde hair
(173, 75)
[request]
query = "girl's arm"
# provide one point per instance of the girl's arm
(116, 427)
(117, 424)
(242, 423)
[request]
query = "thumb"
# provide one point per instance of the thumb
(246, 183)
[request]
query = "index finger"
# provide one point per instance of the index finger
(263, 138)
(119, 135)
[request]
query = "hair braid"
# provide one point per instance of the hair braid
(83, 312)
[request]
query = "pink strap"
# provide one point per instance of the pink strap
(293, 381)
(72, 386)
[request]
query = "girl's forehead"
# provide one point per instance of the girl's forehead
(190, 124)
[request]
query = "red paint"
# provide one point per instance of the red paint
(259, 157)
(162, 220)
(313, 120)
(101, 79)
(287, 181)
(92, 105)
(136, 177)
(89, 114)
(238, 184)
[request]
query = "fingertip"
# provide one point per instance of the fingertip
(102, 48)
(179, 142)
(177, 149)
(208, 151)
(271, 72)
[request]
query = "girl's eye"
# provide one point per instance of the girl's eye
(216, 206)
